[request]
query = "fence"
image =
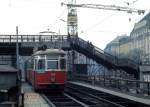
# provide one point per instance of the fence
(125, 85)
(31, 38)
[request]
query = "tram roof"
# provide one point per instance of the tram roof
(50, 52)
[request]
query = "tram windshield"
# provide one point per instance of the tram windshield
(52, 64)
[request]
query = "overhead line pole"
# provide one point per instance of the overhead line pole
(17, 49)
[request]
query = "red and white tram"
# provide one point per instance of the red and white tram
(46, 69)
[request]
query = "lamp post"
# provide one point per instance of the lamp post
(17, 49)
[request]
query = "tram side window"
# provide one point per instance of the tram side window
(62, 63)
(52, 64)
(41, 64)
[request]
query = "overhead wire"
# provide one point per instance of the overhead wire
(58, 18)
(131, 3)
(102, 21)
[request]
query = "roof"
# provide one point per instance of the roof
(116, 40)
(50, 52)
(7, 68)
(124, 40)
(146, 17)
(145, 21)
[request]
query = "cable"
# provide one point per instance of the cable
(56, 21)
(131, 3)
(102, 21)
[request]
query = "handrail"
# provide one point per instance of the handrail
(31, 38)
(141, 87)
(106, 56)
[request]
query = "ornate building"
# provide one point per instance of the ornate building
(136, 47)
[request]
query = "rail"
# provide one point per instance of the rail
(109, 98)
(125, 85)
(62, 100)
(89, 98)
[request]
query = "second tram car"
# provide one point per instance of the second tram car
(46, 69)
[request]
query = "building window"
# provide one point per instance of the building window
(147, 78)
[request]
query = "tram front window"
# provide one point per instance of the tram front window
(52, 64)
(41, 64)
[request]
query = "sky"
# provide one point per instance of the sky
(95, 25)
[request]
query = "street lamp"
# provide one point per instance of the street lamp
(17, 49)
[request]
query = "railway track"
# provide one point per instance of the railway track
(62, 100)
(79, 96)
(90, 99)
(105, 99)
(84, 99)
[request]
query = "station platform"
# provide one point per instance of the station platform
(31, 98)
(116, 93)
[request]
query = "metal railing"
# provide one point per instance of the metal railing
(105, 56)
(7, 60)
(128, 63)
(31, 38)
(124, 85)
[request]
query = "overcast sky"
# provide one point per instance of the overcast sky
(97, 26)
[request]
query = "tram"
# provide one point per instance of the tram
(46, 69)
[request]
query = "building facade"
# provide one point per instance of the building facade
(119, 47)
(113, 47)
(140, 40)
(136, 46)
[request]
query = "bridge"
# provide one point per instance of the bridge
(87, 64)
(28, 42)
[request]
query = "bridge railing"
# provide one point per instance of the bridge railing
(128, 63)
(8, 60)
(123, 85)
(31, 38)
(93, 49)
(105, 56)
